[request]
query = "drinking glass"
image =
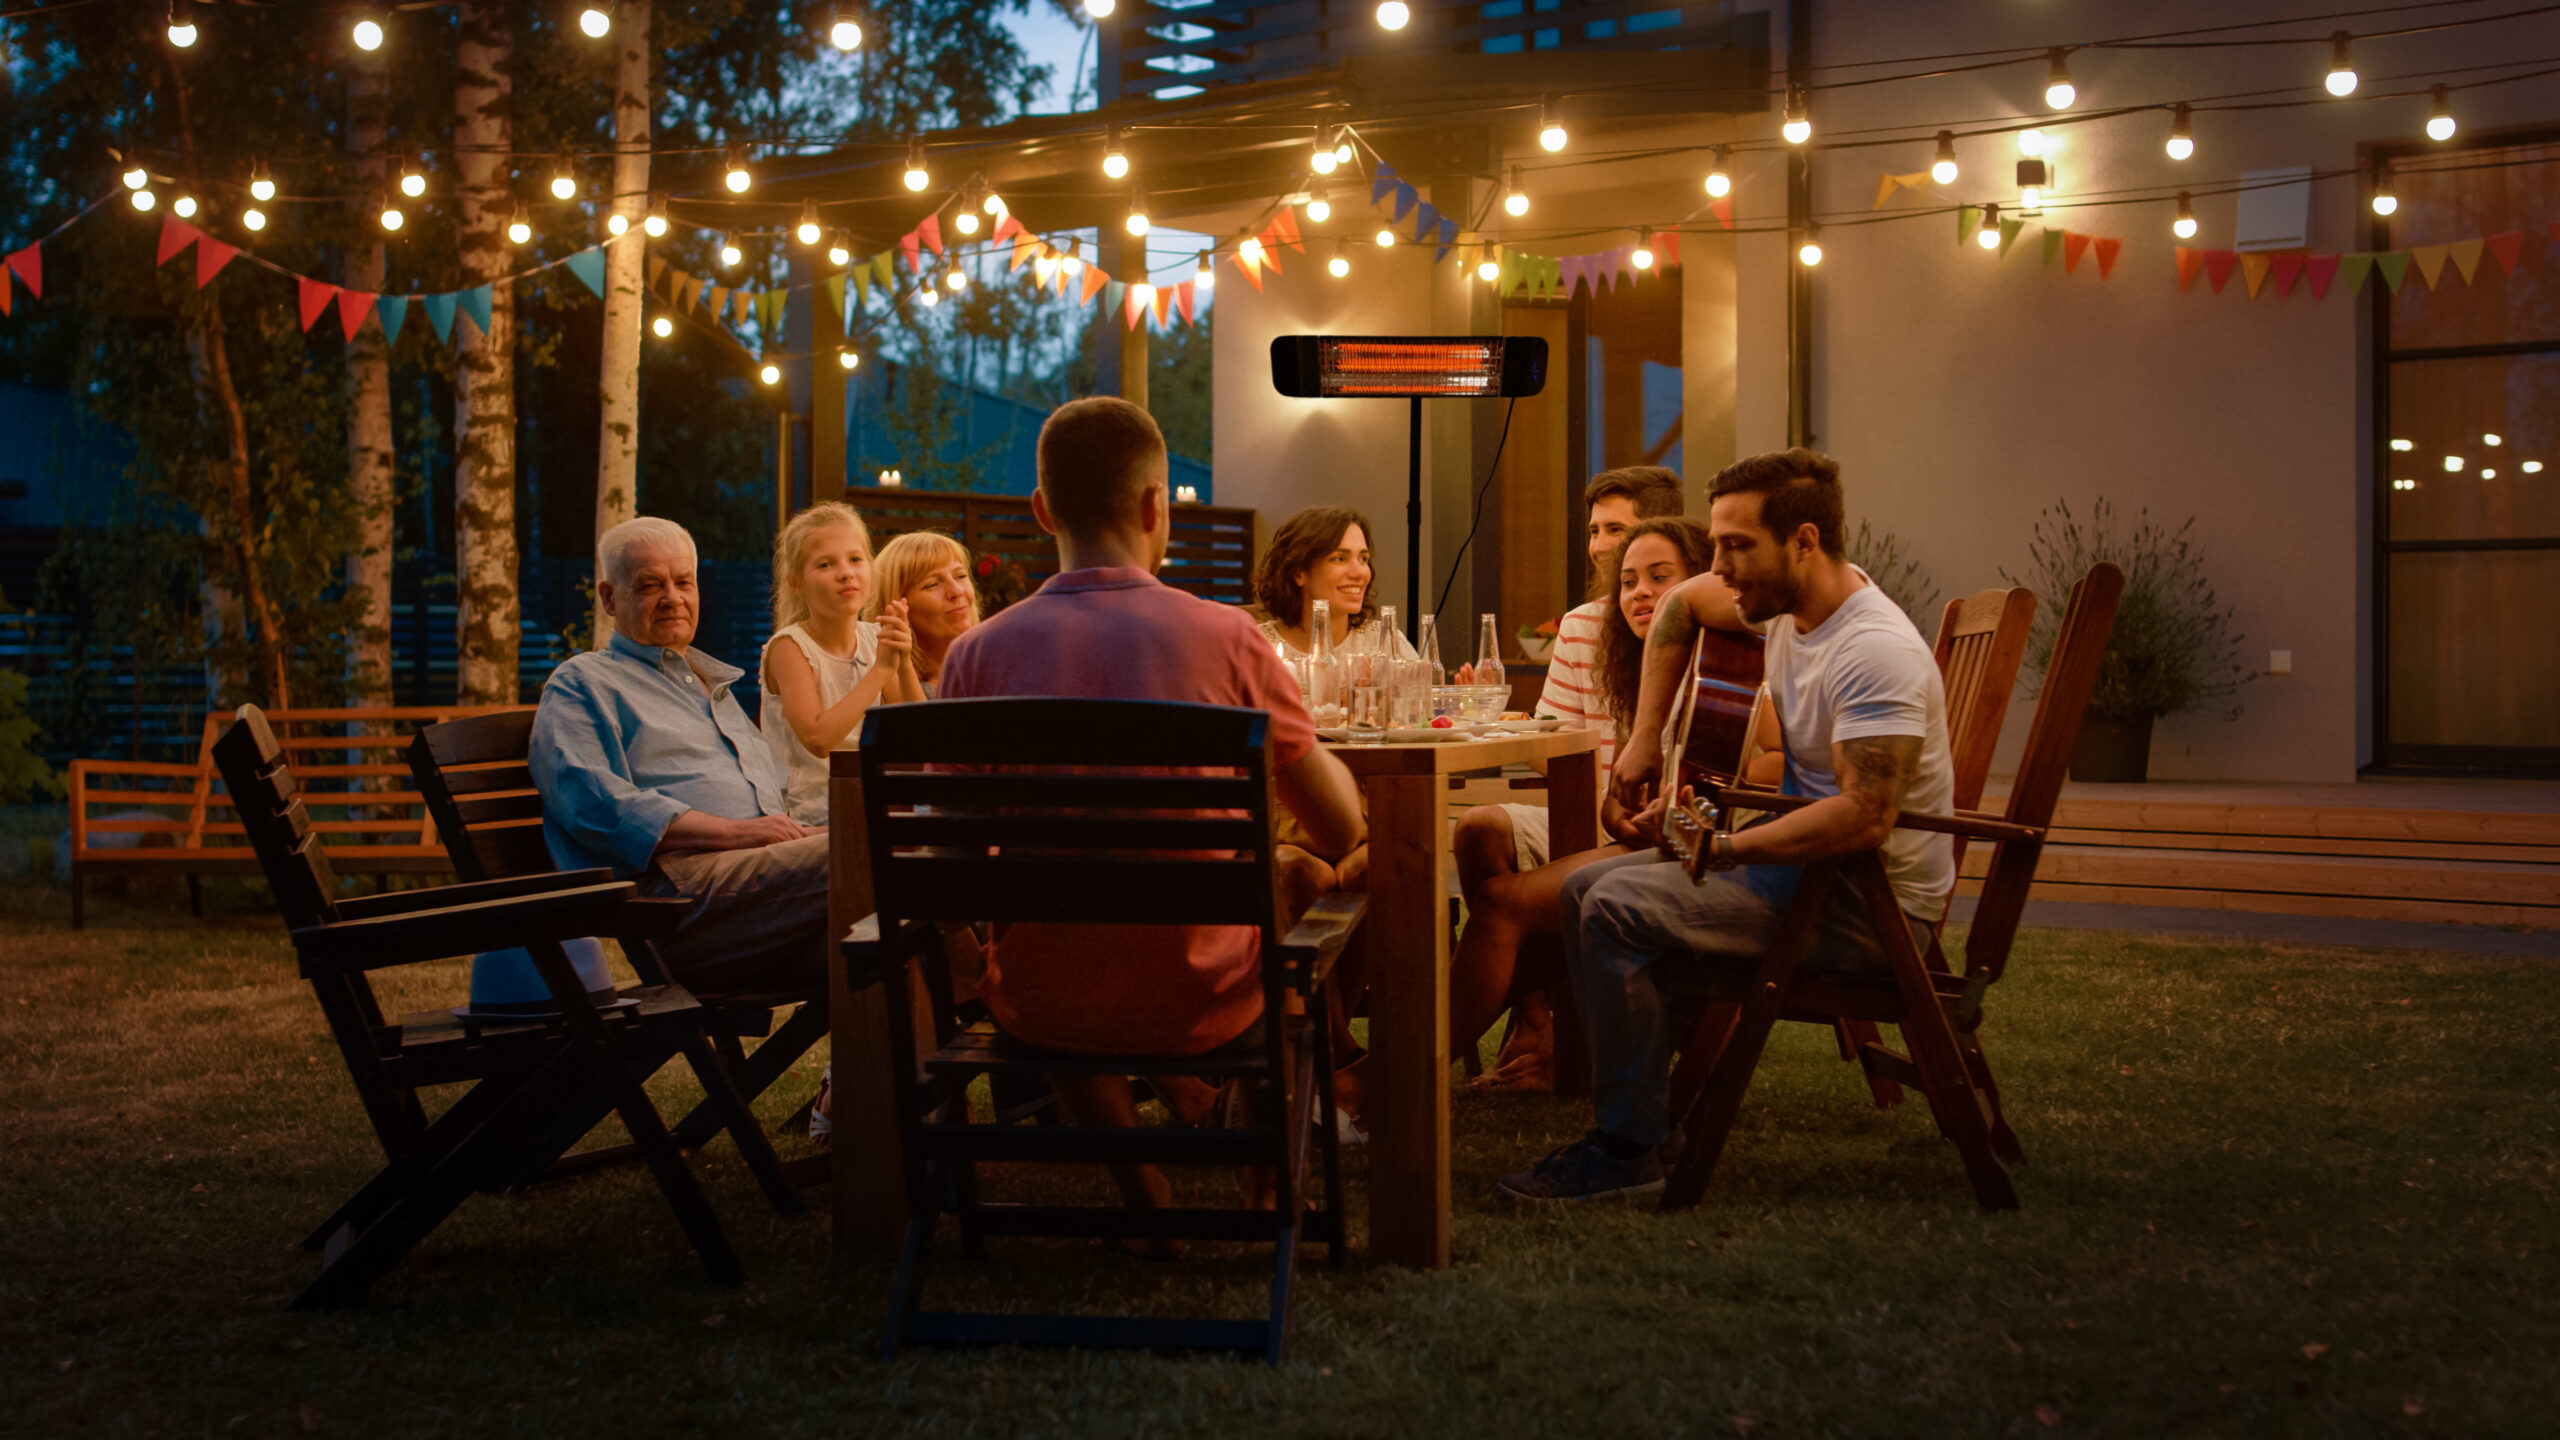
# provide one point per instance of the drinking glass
(1366, 675)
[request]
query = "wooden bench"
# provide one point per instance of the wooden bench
(359, 792)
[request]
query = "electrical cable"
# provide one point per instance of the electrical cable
(1481, 491)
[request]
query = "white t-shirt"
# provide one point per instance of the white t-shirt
(804, 776)
(1865, 672)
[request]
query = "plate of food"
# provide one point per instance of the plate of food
(1535, 725)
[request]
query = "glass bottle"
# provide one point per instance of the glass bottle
(1488, 654)
(1324, 668)
(1427, 645)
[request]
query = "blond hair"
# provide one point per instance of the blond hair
(791, 551)
(906, 560)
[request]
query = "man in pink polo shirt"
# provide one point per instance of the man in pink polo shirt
(1106, 627)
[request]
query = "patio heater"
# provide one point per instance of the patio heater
(1415, 368)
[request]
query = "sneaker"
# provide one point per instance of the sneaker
(1585, 1170)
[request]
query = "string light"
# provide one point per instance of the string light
(1809, 253)
(771, 374)
(520, 229)
(730, 254)
(957, 279)
(842, 30)
(1987, 235)
(2059, 92)
(1205, 279)
(993, 204)
(1072, 262)
(182, 24)
(1340, 265)
(1551, 135)
(144, 200)
(662, 327)
(1719, 175)
(1319, 205)
(617, 224)
(1115, 161)
(184, 207)
(135, 177)
(1943, 169)
(2493, 441)
(1643, 258)
(1142, 295)
(2342, 65)
(1249, 250)
(656, 223)
(917, 177)
(2453, 464)
(2384, 202)
(254, 218)
(1137, 221)
(367, 29)
(2404, 445)
(846, 359)
(1798, 126)
(930, 298)
(595, 22)
(2184, 227)
(564, 182)
(1342, 151)
(738, 177)
(1385, 238)
(2182, 132)
(809, 230)
(2033, 177)
(2031, 144)
(391, 217)
(1100, 9)
(966, 221)
(2532, 467)
(1488, 269)
(413, 179)
(2440, 114)
(1394, 14)
(1515, 201)
(839, 249)
(1321, 160)
(262, 186)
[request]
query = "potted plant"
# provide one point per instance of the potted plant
(2174, 647)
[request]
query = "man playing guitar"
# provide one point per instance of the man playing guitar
(1864, 725)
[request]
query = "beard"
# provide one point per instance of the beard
(1766, 599)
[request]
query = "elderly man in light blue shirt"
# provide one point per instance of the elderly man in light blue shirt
(647, 766)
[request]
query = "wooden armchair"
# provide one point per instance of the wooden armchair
(1936, 1010)
(537, 1084)
(1091, 812)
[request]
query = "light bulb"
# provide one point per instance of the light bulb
(564, 184)
(182, 24)
(1551, 134)
(1988, 234)
(839, 250)
(2493, 441)
(1342, 148)
(2184, 227)
(656, 223)
(595, 22)
(1137, 221)
(254, 218)
(930, 298)
(1319, 206)
(1719, 175)
(1115, 161)
(144, 199)
(730, 254)
(392, 219)
(367, 31)
(917, 177)
(846, 359)
(771, 374)
(1943, 170)
(966, 221)
(662, 327)
(2488, 472)
(1248, 249)
(1515, 201)
(2440, 114)
(993, 204)
(2031, 199)
(809, 230)
(617, 224)
(135, 177)
(957, 279)
(738, 177)
(262, 186)
(841, 29)
(2058, 89)
(1394, 15)
(184, 207)
(1643, 258)
(1340, 265)
(2531, 467)
(1100, 9)
(1799, 123)
(1385, 238)
(520, 229)
(2031, 144)
(1206, 277)
(1322, 161)
(2342, 65)
(1142, 294)
(1488, 270)
(2453, 464)
(2182, 132)
(2384, 202)
(2404, 445)
(1810, 252)
(413, 180)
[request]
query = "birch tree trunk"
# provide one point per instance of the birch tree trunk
(484, 403)
(369, 442)
(618, 446)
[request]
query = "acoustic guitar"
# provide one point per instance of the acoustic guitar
(1708, 738)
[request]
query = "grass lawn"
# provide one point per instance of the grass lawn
(2272, 1191)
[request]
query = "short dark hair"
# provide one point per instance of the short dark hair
(1301, 541)
(1655, 490)
(1094, 461)
(1797, 487)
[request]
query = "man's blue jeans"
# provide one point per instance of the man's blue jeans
(1629, 920)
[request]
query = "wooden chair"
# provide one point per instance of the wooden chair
(477, 784)
(1103, 811)
(1936, 1010)
(531, 1080)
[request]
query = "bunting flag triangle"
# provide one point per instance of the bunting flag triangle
(475, 303)
(28, 266)
(2322, 269)
(391, 312)
(2052, 247)
(1270, 257)
(1426, 219)
(353, 306)
(2466, 257)
(2355, 267)
(2190, 265)
(1722, 209)
(1026, 247)
(439, 310)
(739, 301)
(1968, 220)
(770, 311)
(1285, 225)
(1406, 198)
(689, 292)
(2430, 260)
(1506, 275)
(1115, 296)
(316, 295)
(1183, 295)
(2288, 268)
(907, 246)
(1612, 264)
(884, 269)
(1006, 225)
(861, 284)
(2253, 272)
(678, 282)
(175, 235)
(1666, 247)
(1385, 183)
(1885, 186)
(1163, 303)
(2218, 265)
(1569, 274)
(2394, 267)
(2108, 249)
(2074, 245)
(929, 230)
(588, 266)
(717, 300)
(2009, 235)
(657, 266)
(2508, 246)
(835, 294)
(1094, 280)
(1449, 237)
(1251, 266)
(211, 256)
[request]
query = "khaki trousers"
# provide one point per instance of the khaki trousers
(758, 921)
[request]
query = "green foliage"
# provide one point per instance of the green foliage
(2174, 647)
(1880, 554)
(23, 773)
(130, 585)
(1179, 392)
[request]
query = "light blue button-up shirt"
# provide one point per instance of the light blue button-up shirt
(629, 737)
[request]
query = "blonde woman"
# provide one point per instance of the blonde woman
(826, 666)
(929, 573)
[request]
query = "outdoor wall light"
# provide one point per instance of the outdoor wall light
(520, 228)
(2059, 92)
(262, 185)
(662, 327)
(1798, 127)
(841, 29)
(595, 22)
(738, 177)
(917, 177)
(809, 230)
(1719, 175)
(2440, 114)
(182, 24)
(1943, 170)
(2342, 65)
(2182, 132)
(2184, 227)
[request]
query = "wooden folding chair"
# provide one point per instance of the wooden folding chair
(532, 1079)
(1067, 811)
(1981, 640)
(477, 782)
(1937, 1011)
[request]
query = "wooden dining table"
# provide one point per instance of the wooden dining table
(1406, 1103)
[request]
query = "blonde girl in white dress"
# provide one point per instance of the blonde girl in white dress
(825, 666)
